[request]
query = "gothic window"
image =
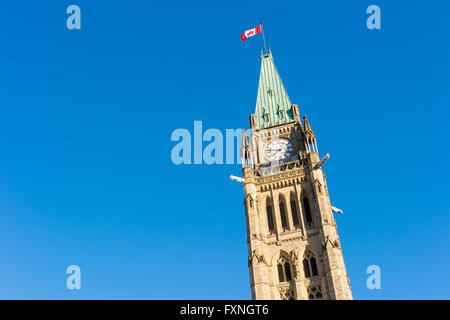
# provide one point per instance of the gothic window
(308, 216)
(294, 211)
(270, 220)
(283, 215)
(309, 264)
(266, 117)
(284, 270)
(281, 114)
(314, 292)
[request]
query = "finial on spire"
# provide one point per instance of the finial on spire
(264, 38)
(246, 156)
(310, 137)
(307, 127)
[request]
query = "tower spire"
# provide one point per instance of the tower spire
(273, 106)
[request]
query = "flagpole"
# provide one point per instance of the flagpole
(264, 38)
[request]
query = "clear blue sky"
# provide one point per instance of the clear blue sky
(86, 117)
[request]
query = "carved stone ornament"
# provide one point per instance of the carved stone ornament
(294, 256)
(333, 244)
(259, 258)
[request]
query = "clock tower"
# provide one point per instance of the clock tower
(293, 244)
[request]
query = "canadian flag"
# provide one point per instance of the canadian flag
(251, 33)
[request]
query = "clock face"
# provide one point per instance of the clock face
(279, 149)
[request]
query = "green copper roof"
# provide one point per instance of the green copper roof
(273, 106)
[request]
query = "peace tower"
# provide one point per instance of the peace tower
(293, 244)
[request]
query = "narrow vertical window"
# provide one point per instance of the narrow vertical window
(287, 271)
(306, 268)
(313, 267)
(280, 273)
(283, 216)
(308, 216)
(270, 221)
(294, 212)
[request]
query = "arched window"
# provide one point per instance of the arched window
(294, 211)
(283, 215)
(308, 216)
(284, 269)
(309, 264)
(270, 220)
